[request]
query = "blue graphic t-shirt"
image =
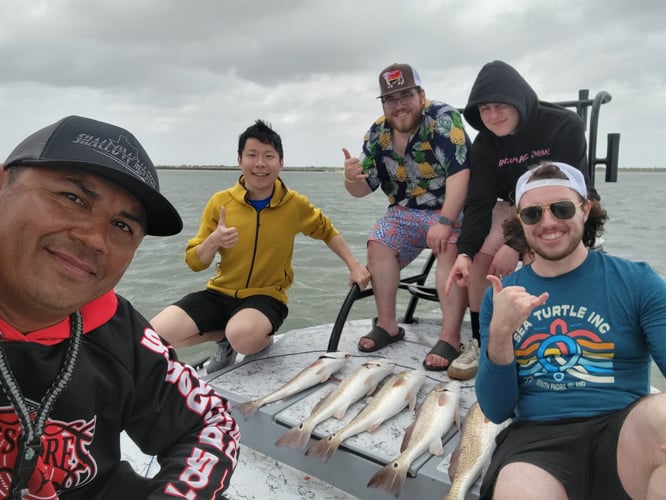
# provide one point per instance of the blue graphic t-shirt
(586, 351)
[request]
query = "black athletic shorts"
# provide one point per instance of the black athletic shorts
(212, 310)
(580, 453)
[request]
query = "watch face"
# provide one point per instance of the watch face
(446, 221)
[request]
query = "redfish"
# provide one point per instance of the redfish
(473, 452)
(435, 417)
(398, 392)
(361, 382)
(317, 372)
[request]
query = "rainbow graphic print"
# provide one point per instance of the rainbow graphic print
(579, 353)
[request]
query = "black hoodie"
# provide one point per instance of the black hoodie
(546, 132)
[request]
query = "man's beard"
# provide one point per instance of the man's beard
(575, 236)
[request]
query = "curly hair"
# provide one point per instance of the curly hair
(594, 225)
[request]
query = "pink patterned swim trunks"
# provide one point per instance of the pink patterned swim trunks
(405, 230)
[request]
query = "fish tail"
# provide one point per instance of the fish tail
(250, 408)
(390, 478)
(324, 448)
(297, 437)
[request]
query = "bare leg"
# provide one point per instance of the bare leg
(453, 305)
(478, 282)
(248, 331)
(175, 326)
(641, 449)
(523, 481)
(385, 270)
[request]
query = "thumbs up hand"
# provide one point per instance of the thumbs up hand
(225, 237)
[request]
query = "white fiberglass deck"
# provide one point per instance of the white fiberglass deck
(352, 466)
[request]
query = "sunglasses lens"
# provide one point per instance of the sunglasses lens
(531, 215)
(563, 209)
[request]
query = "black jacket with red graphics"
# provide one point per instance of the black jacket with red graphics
(125, 379)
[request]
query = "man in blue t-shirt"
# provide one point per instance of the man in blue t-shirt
(566, 346)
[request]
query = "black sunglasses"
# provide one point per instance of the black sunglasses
(563, 210)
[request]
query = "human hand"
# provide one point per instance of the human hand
(459, 274)
(438, 237)
(504, 262)
(511, 306)
(225, 237)
(360, 275)
(353, 168)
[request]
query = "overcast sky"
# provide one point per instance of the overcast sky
(188, 76)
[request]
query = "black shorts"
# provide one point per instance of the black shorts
(211, 310)
(580, 453)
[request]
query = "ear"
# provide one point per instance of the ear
(587, 207)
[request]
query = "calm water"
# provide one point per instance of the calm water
(158, 275)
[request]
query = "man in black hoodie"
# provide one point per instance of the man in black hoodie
(516, 130)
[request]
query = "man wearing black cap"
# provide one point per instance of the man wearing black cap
(78, 365)
(417, 152)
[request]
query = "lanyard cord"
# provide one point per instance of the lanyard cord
(30, 447)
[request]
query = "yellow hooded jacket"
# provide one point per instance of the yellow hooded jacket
(261, 262)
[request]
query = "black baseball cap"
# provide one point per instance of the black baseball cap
(105, 150)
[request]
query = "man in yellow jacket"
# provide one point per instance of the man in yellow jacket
(252, 226)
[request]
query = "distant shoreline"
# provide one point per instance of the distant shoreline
(337, 169)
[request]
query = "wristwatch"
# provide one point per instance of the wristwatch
(446, 221)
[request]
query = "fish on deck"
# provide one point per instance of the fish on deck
(316, 373)
(473, 452)
(397, 393)
(435, 418)
(361, 382)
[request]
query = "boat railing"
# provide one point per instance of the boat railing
(415, 284)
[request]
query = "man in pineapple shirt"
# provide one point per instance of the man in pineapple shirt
(417, 152)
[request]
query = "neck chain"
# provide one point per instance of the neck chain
(30, 447)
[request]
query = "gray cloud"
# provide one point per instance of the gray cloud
(187, 77)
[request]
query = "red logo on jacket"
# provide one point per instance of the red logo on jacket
(65, 462)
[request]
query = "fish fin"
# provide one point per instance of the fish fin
(297, 437)
(411, 397)
(324, 448)
(250, 408)
(340, 414)
(372, 386)
(436, 447)
(323, 374)
(407, 436)
(375, 425)
(443, 399)
(398, 382)
(389, 478)
(319, 403)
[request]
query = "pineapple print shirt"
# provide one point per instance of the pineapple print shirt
(439, 148)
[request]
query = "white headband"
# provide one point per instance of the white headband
(575, 181)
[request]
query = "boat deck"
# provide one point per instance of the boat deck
(359, 457)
